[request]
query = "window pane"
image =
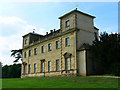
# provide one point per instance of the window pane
(43, 49)
(25, 55)
(49, 66)
(67, 41)
(67, 23)
(57, 65)
(49, 47)
(30, 52)
(35, 51)
(35, 68)
(29, 68)
(68, 63)
(42, 66)
(57, 44)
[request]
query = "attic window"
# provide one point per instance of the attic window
(26, 41)
(67, 23)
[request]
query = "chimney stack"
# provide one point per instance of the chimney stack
(51, 31)
(54, 30)
(46, 33)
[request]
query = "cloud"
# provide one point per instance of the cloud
(11, 31)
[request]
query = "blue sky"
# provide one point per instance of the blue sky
(17, 19)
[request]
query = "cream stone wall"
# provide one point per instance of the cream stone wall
(52, 56)
(71, 18)
(82, 63)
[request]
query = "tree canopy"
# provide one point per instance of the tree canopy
(17, 54)
(106, 52)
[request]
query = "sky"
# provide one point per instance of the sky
(20, 18)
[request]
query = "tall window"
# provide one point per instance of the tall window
(49, 66)
(25, 66)
(35, 51)
(49, 47)
(67, 23)
(43, 49)
(25, 54)
(67, 40)
(67, 64)
(29, 69)
(57, 44)
(25, 41)
(30, 52)
(57, 65)
(42, 66)
(35, 66)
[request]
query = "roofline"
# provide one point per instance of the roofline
(32, 33)
(78, 12)
(96, 28)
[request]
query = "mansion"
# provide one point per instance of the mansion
(61, 52)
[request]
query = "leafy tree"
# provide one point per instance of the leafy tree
(106, 52)
(11, 71)
(17, 54)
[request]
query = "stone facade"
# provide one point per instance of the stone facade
(64, 51)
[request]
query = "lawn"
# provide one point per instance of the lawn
(61, 82)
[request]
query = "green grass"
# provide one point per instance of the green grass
(61, 82)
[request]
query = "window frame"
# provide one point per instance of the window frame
(66, 63)
(29, 68)
(30, 53)
(35, 51)
(66, 41)
(35, 68)
(57, 65)
(26, 41)
(49, 66)
(57, 45)
(42, 66)
(49, 47)
(67, 23)
(43, 49)
(25, 54)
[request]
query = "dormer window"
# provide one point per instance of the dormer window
(67, 23)
(26, 41)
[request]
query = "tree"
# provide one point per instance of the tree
(106, 52)
(17, 54)
(11, 71)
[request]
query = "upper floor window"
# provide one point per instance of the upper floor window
(35, 51)
(49, 66)
(43, 49)
(35, 66)
(25, 54)
(67, 40)
(57, 65)
(67, 23)
(25, 41)
(57, 44)
(30, 52)
(49, 47)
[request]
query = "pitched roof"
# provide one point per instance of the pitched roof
(78, 12)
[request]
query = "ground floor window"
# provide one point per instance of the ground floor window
(35, 66)
(29, 69)
(42, 66)
(49, 66)
(67, 63)
(57, 65)
(25, 66)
